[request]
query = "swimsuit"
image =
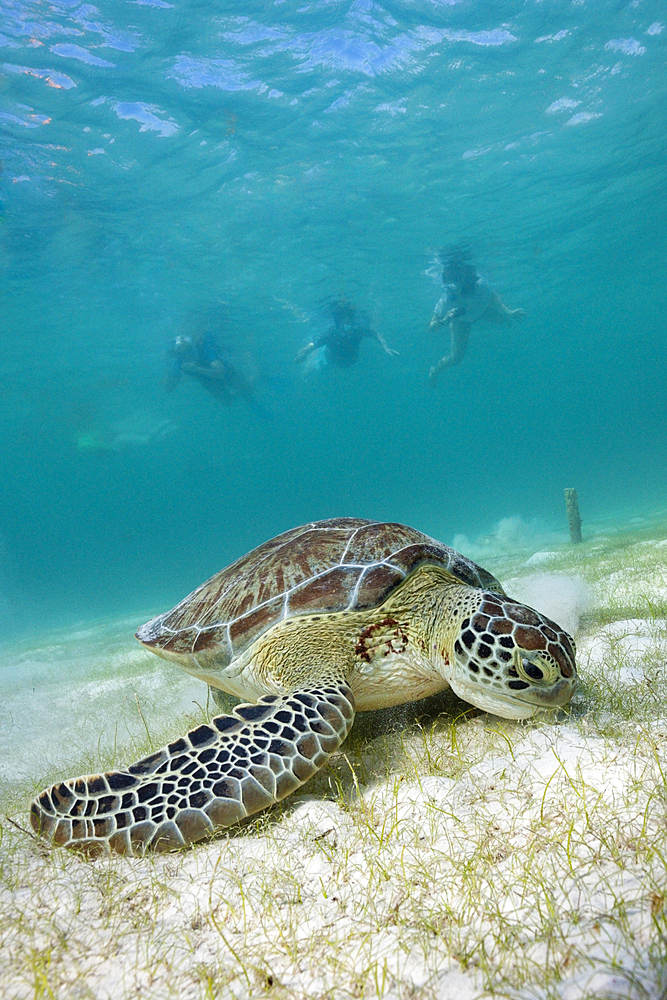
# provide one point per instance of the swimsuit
(474, 306)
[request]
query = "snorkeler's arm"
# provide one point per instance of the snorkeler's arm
(312, 346)
(439, 320)
(498, 307)
(383, 343)
(439, 311)
(444, 312)
(305, 351)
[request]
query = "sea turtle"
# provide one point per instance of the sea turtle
(324, 618)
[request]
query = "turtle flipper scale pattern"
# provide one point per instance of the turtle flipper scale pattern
(216, 775)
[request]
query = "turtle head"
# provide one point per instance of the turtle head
(510, 660)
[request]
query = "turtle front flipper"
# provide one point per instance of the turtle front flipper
(215, 776)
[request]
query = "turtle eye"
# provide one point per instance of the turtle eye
(531, 670)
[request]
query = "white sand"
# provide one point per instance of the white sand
(467, 858)
(84, 692)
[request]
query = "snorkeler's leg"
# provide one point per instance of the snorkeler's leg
(219, 391)
(459, 333)
(171, 380)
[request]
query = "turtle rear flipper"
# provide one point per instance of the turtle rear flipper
(215, 776)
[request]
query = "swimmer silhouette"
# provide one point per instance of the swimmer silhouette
(341, 341)
(467, 299)
(201, 357)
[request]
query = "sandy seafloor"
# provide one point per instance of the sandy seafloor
(443, 854)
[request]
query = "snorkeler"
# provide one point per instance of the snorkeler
(202, 358)
(467, 299)
(341, 341)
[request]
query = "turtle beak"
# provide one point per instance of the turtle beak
(556, 696)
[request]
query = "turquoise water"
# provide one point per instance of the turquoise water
(161, 161)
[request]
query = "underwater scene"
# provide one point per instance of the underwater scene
(267, 264)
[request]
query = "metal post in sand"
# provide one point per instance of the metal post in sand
(572, 508)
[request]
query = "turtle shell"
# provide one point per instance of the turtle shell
(343, 564)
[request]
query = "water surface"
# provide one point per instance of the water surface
(160, 159)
